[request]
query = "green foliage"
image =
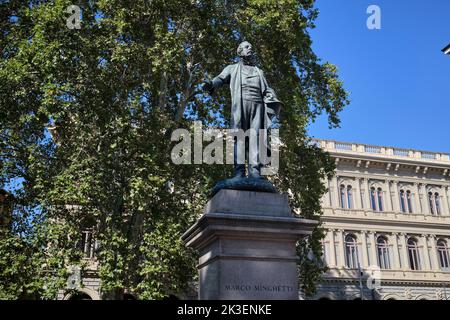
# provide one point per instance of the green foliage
(34, 256)
(111, 93)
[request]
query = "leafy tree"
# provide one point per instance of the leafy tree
(86, 117)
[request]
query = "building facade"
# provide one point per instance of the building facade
(387, 221)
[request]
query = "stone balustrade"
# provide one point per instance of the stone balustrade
(331, 145)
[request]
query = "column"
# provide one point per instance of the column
(387, 193)
(434, 255)
(405, 262)
(366, 193)
(417, 207)
(443, 196)
(396, 200)
(338, 194)
(341, 254)
(424, 199)
(426, 253)
(365, 259)
(447, 198)
(329, 195)
(373, 249)
(324, 200)
(335, 191)
(332, 262)
(394, 241)
(358, 194)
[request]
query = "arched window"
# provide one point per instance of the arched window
(380, 199)
(383, 253)
(402, 201)
(406, 201)
(443, 255)
(342, 193)
(351, 252)
(409, 201)
(373, 200)
(413, 254)
(437, 203)
(376, 199)
(349, 197)
(88, 243)
(346, 195)
(434, 202)
(80, 296)
(431, 203)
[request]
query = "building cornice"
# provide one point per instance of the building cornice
(390, 276)
(392, 157)
(390, 161)
(395, 282)
(395, 179)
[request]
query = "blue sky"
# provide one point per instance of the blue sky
(398, 78)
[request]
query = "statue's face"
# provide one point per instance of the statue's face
(245, 49)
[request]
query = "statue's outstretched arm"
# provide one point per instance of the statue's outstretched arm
(217, 82)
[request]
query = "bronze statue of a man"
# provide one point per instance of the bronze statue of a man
(253, 104)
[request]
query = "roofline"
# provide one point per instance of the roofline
(442, 166)
(381, 146)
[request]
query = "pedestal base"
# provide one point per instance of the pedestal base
(247, 243)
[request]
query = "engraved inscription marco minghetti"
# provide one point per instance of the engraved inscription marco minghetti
(258, 287)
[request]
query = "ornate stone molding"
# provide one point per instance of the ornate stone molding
(439, 294)
(408, 293)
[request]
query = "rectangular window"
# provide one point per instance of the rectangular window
(414, 261)
(87, 244)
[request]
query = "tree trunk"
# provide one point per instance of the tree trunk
(162, 91)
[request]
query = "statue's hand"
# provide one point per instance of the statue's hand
(269, 95)
(208, 86)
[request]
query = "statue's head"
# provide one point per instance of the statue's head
(245, 50)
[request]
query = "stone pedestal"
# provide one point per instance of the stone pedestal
(246, 242)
